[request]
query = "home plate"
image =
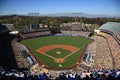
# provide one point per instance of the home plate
(60, 65)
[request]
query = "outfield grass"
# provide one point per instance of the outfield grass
(36, 43)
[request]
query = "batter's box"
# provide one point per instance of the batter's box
(59, 60)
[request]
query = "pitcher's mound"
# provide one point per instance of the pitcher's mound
(58, 52)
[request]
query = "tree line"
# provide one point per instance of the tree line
(22, 22)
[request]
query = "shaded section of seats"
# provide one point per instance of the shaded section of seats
(7, 59)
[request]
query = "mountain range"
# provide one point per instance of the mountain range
(78, 14)
(72, 14)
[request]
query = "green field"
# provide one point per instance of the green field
(36, 43)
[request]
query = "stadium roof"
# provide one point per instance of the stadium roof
(3, 29)
(111, 26)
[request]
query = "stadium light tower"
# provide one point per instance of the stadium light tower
(32, 14)
(76, 16)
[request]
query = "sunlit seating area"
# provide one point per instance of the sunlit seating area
(76, 33)
(35, 34)
(100, 48)
(115, 48)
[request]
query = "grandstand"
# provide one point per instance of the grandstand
(12, 54)
(22, 55)
(35, 34)
(76, 33)
(110, 31)
(78, 26)
(112, 28)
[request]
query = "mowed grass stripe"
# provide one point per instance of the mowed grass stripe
(36, 43)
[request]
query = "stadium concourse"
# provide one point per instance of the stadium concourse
(101, 60)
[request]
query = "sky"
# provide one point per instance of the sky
(104, 7)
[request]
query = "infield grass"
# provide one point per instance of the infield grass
(62, 53)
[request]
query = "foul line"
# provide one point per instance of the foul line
(70, 54)
(48, 56)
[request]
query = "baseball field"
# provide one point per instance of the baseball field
(57, 52)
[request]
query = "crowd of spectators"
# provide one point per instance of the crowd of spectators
(100, 48)
(115, 48)
(21, 58)
(102, 74)
(117, 34)
(76, 33)
(35, 34)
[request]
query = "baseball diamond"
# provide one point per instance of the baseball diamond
(45, 49)
(54, 50)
